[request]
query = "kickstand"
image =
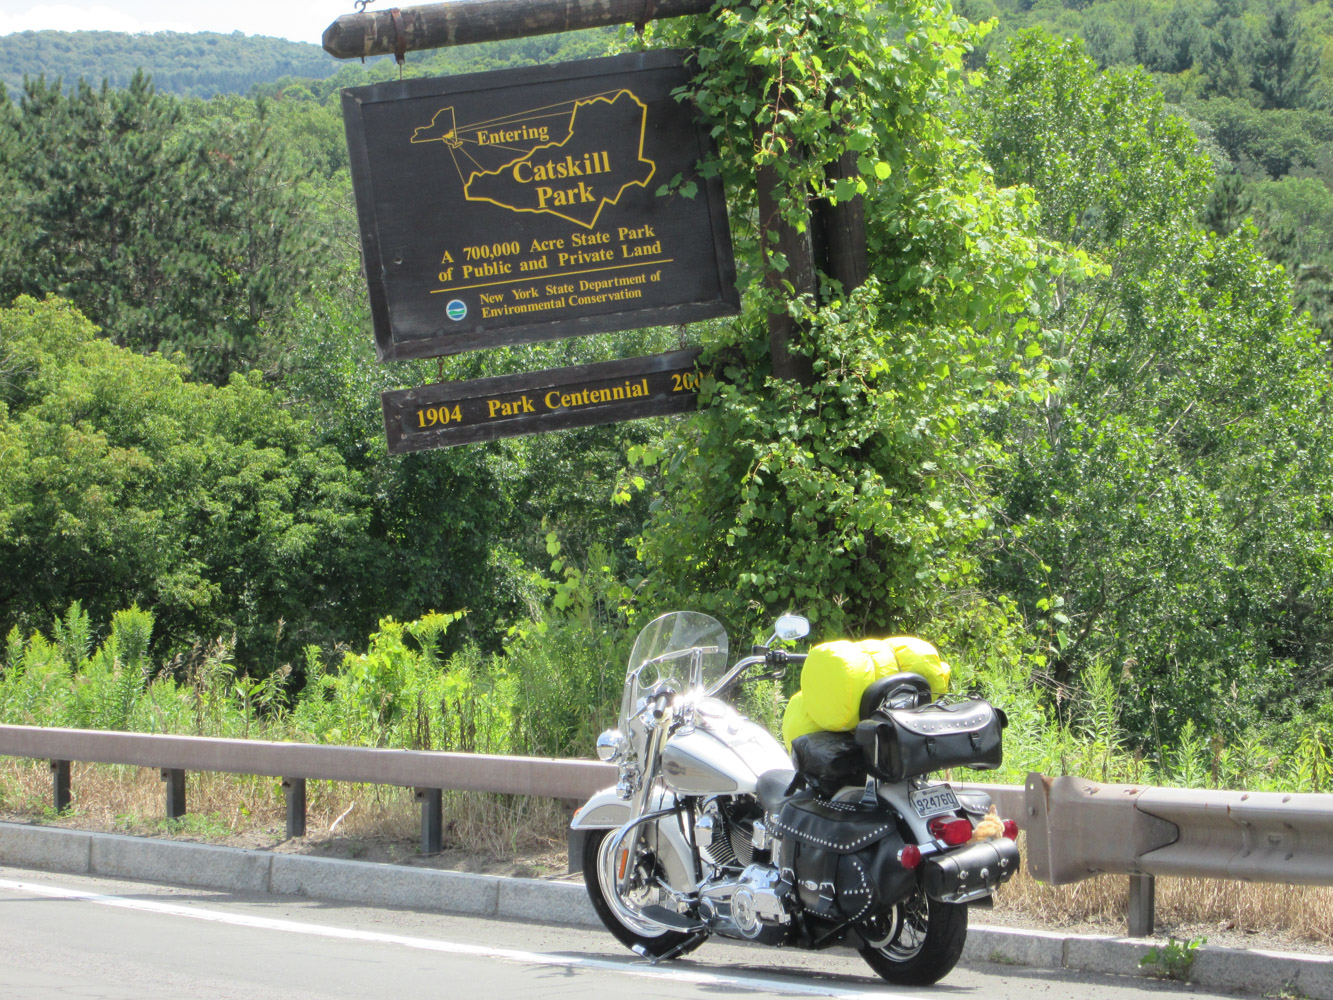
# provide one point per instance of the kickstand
(690, 942)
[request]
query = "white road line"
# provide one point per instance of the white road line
(664, 972)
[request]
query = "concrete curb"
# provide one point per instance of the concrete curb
(536, 900)
(206, 867)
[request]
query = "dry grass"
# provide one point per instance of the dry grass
(377, 822)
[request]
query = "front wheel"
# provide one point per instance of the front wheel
(653, 942)
(918, 942)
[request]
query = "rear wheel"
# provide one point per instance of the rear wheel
(597, 876)
(918, 942)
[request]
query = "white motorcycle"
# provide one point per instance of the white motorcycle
(711, 830)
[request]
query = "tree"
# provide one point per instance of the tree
(1166, 511)
(169, 239)
(199, 64)
(1286, 62)
(856, 497)
(122, 482)
(1228, 61)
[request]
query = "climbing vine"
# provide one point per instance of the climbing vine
(859, 498)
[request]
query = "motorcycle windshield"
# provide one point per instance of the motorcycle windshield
(682, 651)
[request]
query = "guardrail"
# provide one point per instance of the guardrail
(428, 773)
(1076, 828)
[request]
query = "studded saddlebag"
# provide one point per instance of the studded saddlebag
(971, 871)
(904, 743)
(844, 858)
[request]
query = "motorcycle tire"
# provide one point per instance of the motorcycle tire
(923, 945)
(655, 946)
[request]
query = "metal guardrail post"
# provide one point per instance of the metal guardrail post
(432, 819)
(175, 779)
(60, 785)
(293, 790)
(1142, 899)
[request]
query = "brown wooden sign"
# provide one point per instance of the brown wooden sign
(452, 413)
(525, 205)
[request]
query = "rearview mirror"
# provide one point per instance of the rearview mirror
(791, 627)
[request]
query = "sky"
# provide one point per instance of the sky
(299, 20)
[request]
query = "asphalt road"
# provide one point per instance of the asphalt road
(67, 936)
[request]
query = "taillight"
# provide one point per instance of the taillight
(910, 856)
(1011, 829)
(950, 831)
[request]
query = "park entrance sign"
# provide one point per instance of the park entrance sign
(526, 205)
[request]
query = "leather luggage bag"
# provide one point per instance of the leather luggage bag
(904, 743)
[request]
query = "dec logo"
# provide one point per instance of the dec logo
(456, 310)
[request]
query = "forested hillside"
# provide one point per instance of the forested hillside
(1255, 80)
(1073, 427)
(198, 64)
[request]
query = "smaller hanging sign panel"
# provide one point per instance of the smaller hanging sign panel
(451, 413)
(526, 205)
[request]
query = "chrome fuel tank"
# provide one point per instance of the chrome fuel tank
(723, 754)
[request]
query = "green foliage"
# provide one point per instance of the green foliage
(1172, 960)
(213, 506)
(858, 497)
(113, 680)
(1166, 509)
(168, 238)
(1058, 428)
(1252, 81)
(569, 668)
(380, 697)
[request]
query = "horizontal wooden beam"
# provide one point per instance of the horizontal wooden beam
(463, 22)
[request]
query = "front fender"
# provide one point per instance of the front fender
(608, 811)
(604, 811)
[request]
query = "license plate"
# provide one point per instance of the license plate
(933, 801)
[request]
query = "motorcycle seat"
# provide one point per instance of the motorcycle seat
(772, 786)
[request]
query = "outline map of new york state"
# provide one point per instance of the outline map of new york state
(568, 160)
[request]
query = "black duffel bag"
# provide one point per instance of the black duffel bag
(827, 761)
(908, 742)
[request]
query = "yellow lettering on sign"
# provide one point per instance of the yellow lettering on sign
(556, 400)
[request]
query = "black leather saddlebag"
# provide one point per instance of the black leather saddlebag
(827, 761)
(844, 857)
(904, 743)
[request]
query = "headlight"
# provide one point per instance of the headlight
(611, 745)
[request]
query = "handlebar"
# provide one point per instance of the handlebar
(742, 665)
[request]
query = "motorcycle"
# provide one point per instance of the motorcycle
(710, 829)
